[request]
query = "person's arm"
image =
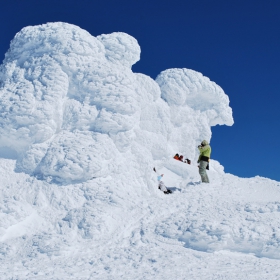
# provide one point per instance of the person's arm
(203, 148)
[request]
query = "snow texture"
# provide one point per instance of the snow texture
(69, 99)
(80, 134)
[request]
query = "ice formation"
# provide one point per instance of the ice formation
(80, 134)
(71, 107)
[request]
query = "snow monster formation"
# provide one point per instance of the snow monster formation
(72, 109)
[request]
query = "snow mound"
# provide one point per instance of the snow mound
(185, 87)
(120, 48)
(72, 109)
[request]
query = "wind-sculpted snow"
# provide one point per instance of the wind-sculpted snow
(195, 103)
(120, 48)
(185, 87)
(81, 133)
(60, 87)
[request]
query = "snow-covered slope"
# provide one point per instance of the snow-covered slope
(80, 134)
(228, 229)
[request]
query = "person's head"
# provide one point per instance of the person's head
(204, 143)
(161, 175)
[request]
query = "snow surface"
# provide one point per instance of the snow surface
(80, 134)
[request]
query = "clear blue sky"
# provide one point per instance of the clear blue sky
(234, 43)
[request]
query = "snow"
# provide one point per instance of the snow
(80, 135)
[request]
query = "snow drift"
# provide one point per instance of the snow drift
(71, 106)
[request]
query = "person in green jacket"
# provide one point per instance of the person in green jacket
(203, 160)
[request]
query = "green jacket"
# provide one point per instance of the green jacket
(204, 151)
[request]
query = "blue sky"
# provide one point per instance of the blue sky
(234, 43)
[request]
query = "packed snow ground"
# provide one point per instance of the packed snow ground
(80, 134)
(229, 229)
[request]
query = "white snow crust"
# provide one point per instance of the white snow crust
(80, 134)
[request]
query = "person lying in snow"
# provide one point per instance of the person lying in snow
(181, 158)
(161, 185)
(176, 157)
